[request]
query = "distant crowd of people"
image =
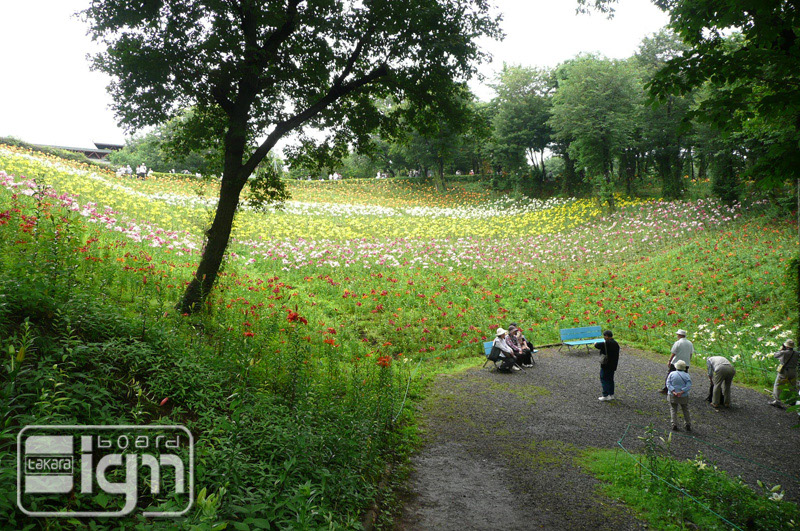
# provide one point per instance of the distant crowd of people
(142, 171)
(513, 351)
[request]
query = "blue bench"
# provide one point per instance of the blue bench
(586, 335)
(487, 349)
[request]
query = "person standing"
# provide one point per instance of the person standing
(609, 350)
(681, 350)
(787, 371)
(679, 383)
(720, 374)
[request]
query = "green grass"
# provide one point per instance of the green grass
(663, 506)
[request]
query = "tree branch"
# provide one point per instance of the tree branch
(351, 61)
(280, 35)
(335, 93)
(222, 99)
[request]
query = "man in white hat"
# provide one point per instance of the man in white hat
(681, 350)
(787, 371)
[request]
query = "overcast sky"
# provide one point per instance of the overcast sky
(48, 95)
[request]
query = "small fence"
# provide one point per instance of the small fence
(621, 443)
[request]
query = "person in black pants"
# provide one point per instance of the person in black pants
(609, 350)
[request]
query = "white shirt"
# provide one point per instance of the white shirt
(682, 349)
(501, 343)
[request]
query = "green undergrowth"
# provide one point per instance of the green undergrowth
(692, 494)
(286, 435)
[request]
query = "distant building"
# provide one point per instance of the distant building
(101, 150)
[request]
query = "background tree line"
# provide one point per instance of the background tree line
(591, 125)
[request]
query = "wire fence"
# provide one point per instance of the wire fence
(678, 489)
(439, 355)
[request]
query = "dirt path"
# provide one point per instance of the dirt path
(499, 449)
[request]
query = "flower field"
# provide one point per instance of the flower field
(427, 277)
(359, 283)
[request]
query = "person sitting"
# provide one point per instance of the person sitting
(519, 345)
(525, 343)
(507, 358)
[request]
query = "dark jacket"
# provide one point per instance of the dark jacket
(610, 347)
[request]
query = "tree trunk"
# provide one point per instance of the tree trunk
(569, 187)
(441, 184)
(608, 168)
(669, 168)
(702, 167)
(544, 170)
(217, 241)
(725, 180)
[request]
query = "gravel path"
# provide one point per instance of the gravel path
(499, 448)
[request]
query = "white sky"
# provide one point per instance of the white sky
(48, 95)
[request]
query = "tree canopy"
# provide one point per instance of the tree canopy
(593, 109)
(524, 107)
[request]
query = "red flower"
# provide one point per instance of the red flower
(164, 401)
(249, 334)
(294, 316)
(384, 361)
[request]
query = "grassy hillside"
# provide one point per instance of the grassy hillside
(297, 380)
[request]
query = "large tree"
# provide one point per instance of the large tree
(265, 68)
(524, 103)
(663, 124)
(593, 110)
